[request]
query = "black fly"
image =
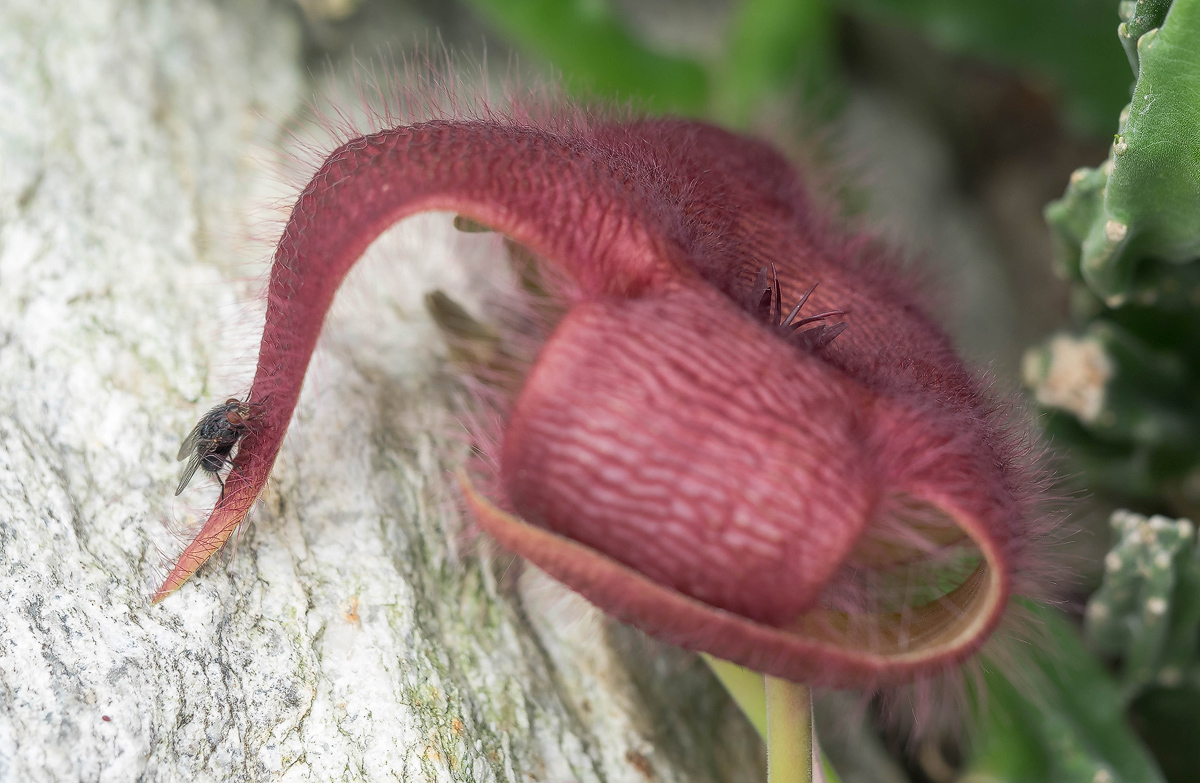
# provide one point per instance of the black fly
(209, 445)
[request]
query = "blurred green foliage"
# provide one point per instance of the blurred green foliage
(598, 54)
(789, 47)
(773, 44)
(1059, 719)
(1068, 43)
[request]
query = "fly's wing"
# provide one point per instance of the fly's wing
(189, 470)
(188, 446)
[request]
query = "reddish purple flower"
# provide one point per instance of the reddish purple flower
(842, 511)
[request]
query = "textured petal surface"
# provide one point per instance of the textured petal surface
(699, 452)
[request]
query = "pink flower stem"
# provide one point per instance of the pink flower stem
(540, 189)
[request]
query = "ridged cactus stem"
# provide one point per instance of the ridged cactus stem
(1144, 201)
(1120, 392)
(1147, 611)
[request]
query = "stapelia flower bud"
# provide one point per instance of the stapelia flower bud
(730, 479)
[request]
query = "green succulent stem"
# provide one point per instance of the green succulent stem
(789, 732)
(1120, 389)
(782, 713)
(1143, 203)
(1147, 610)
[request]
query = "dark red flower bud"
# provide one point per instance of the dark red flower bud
(682, 452)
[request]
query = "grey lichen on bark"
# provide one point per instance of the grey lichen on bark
(358, 630)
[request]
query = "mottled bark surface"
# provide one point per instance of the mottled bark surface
(358, 631)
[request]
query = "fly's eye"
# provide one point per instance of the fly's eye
(235, 418)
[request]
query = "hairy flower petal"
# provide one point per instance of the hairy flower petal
(846, 513)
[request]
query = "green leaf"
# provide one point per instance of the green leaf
(1064, 724)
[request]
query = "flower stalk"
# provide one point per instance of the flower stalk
(790, 757)
(782, 714)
